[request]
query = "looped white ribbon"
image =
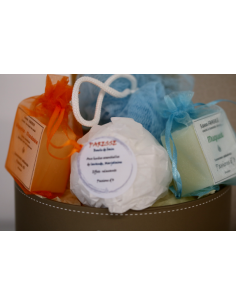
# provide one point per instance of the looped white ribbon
(104, 89)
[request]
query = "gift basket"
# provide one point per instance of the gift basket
(121, 152)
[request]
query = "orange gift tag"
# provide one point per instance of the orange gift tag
(42, 141)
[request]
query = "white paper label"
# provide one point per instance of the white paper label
(107, 167)
(218, 144)
(24, 147)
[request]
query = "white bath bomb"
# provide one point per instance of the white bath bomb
(120, 167)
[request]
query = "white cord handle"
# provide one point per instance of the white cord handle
(104, 89)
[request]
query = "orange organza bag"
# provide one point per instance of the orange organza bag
(42, 141)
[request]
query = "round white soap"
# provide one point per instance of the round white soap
(120, 167)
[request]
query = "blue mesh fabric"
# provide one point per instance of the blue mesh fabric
(143, 106)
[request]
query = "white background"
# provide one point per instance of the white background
(115, 37)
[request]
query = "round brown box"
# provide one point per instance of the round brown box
(209, 213)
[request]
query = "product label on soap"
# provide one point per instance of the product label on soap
(24, 147)
(107, 167)
(218, 144)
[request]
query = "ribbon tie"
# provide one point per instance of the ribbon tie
(180, 109)
(55, 105)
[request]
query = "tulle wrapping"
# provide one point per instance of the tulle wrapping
(195, 176)
(53, 149)
(143, 106)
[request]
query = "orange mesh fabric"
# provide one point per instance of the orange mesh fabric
(52, 168)
(57, 94)
(54, 104)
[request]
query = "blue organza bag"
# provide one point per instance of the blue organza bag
(143, 105)
(201, 144)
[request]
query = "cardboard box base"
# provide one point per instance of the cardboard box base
(211, 213)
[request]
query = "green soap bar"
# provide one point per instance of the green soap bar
(191, 162)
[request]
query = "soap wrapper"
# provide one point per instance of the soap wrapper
(124, 167)
(42, 139)
(205, 145)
